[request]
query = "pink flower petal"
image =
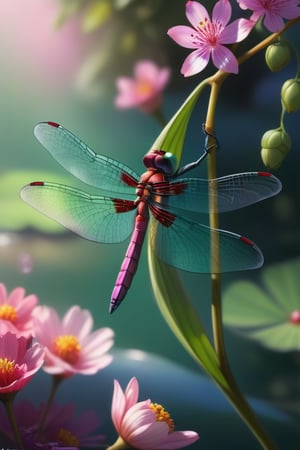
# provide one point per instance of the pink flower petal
(225, 60)
(183, 36)
(236, 31)
(118, 406)
(273, 22)
(195, 12)
(195, 62)
(132, 392)
(222, 12)
(179, 439)
(77, 322)
(15, 296)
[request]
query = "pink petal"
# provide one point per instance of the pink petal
(46, 324)
(225, 60)
(137, 420)
(132, 393)
(236, 31)
(152, 437)
(77, 322)
(195, 62)
(118, 406)
(98, 342)
(179, 439)
(162, 79)
(222, 12)
(183, 36)
(195, 12)
(146, 70)
(16, 296)
(273, 22)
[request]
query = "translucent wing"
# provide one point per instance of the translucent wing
(82, 162)
(187, 246)
(190, 196)
(101, 219)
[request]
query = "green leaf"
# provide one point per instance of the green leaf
(264, 314)
(97, 14)
(181, 316)
(171, 138)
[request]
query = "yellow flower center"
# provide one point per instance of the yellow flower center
(67, 348)
(144, 88)
(7, 371)
(162, 415)
(8, 312)
(67, 438)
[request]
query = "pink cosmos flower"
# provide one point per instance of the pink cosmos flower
(62, 428)
(18, 363)
(145, 425)
(274, 11)
(209, 36)
(16, 311)
(144, 91)
(70, 346)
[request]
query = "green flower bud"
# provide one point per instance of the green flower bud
(278, 55)
(275, 146)
(290, 94)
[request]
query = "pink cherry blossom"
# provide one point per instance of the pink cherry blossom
(144, 425)
(144, 91)
(209, 36)
(16, 311)
(70, 345)
(273, 11)
(18, 363)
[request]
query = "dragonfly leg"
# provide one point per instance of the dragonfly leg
(207, 150)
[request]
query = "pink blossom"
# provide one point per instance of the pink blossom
(62, 426)
(145, 425)
(274, 11)
(18, 363)
(16, 311)
(209, 36)
(144, 91)
(70, 345)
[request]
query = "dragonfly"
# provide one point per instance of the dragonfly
(162, 199)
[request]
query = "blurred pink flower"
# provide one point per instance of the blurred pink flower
(62, 427)
(16, 311)
(274, 11)
(144, 91)
(145, 425)
(70, 346)
(209, 36)
(18, 363)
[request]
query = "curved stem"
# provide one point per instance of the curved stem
(234, 394)
(8, 403)
(56, 380)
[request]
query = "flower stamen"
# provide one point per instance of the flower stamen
(9, 371)
(67, 348)
(67, 438)
(8, 312)
(162, 415)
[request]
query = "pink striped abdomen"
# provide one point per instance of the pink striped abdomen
(130, 263)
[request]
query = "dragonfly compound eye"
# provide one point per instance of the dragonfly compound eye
(164, 161)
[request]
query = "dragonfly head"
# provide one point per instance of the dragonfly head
(165, 162)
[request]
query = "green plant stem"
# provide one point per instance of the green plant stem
(56, 380)
(8, 403)
(234, 393)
